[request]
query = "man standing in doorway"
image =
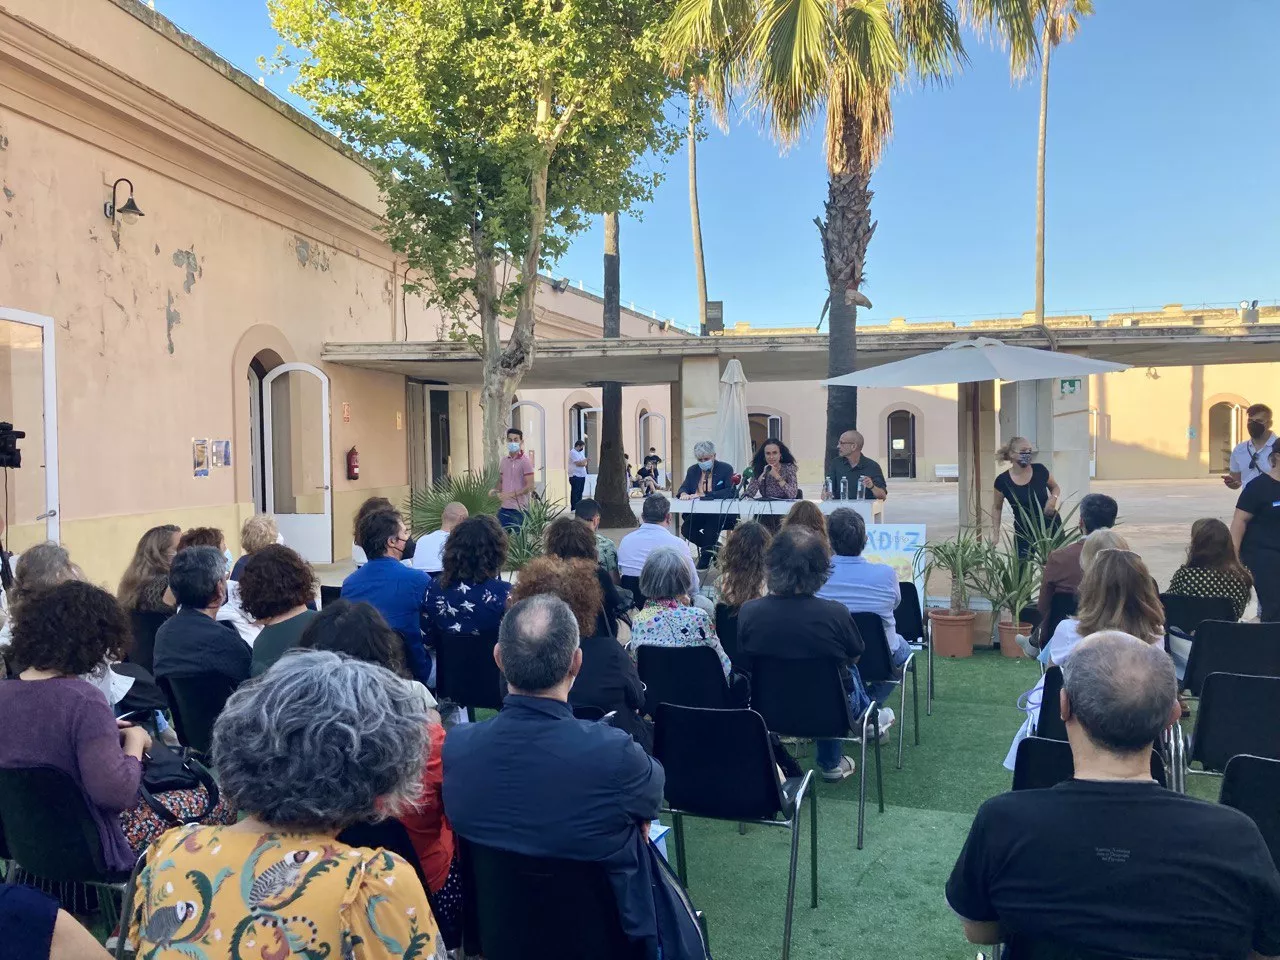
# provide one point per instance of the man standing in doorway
(577, 473)
(853, 476)
(515, 482)
(1249, 458)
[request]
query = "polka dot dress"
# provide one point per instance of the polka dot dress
(1206, 582)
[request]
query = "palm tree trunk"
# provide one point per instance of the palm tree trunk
(611, 481)
(846, 233)
(1045, 49)
(699, 262)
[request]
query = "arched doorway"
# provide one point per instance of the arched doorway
(584, 424)
(536, 454)
(292, 406)
(763, 426)
(1226, 428)
(902, 444)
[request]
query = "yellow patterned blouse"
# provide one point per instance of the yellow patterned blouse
(217, 893)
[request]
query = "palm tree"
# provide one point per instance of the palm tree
(611, 477)
(695, 214)
(844, 59)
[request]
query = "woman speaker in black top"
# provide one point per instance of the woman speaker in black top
(1032, 492)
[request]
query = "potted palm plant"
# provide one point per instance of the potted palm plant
(1010, 583)
(952, 628)
(474, 490)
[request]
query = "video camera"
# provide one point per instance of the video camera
(10, 455)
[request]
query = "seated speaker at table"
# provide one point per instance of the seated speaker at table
(708, 479)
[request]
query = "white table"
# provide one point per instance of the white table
(872, 511)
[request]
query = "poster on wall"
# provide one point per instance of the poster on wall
(200, 458)
(222, 453)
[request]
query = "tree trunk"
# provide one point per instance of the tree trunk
(611, 480)
(699, 262)
(846, 232)
(1045, 48)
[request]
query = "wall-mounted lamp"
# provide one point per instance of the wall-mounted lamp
(128, 210)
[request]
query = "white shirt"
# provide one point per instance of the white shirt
(429, 554)
(636, 546)
(577, 463)
(234, 612)
(1242, 458)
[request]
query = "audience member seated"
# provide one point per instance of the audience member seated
(668, 619)
(791, 623)
(259, 531)
(370, 506)
(32, 927)
(654, 532)
(193, 643)
(741, 564)
(536, 781)
(429, 555)
(398, 592)
(1118, 594)
(52, 718)
(358, 631)
(864, 587)
(470, 596)
(1213, 569)
(647, 478)
(608, 677)
(1110, 861)
(317, 743)
(807, 515)
(275, 589)
(146, 580)
(708, 479)
(588, 511)
(570, 539)
(1062, 571)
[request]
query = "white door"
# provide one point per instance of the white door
(29, 400)
(295, 431)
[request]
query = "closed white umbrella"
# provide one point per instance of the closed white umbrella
(733, 430)
(972, 361)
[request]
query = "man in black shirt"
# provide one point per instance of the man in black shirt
(1110, 861)
(853, 476)
(192, 643)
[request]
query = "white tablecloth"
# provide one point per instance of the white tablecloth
(872, 511)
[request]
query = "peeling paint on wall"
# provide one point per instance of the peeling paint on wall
(187, 258)
(309, 258)
(4, 142)
(8, 194)
(171, 319)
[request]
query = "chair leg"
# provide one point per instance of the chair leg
(791, 883)
(902, 717)
(677, 827)
(879, 777)
(813, 847)
(928, 687)
(862, 786)
(915, 702)
(742, 829)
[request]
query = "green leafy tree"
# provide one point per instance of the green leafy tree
(840, 60)
(494, 127)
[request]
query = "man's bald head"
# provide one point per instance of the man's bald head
(453, 514)
(1120, 690)
(537, 642)
(851, 443)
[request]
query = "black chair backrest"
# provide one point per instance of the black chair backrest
(1251, 785)
(144, 624)
(196, 702)
(908, 615)
(1238, 715)
(1061, 607)
(801, 698)
(1230, 647)
(329, 595)
(688, 676)
(1050, 725)
(566, 907)
(466, 672)
(590, 714)
(727, 631)
(1187, 613)
(48, 827)
(390, 835)
(632, 583)
(736, 780)
(1044, 763)
(876, 665)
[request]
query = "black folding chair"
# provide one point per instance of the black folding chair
(806, 699)
(1045, 763)
(1251, 785)
(632, 583)
(51, 835)
(467, 674)
(144, 624)
(876, 666)
(719, 766)
(195, 702)
(1187, 613)
(329, 595)
(727, 631)
(1230, 647)
(909, 617)
(688, 676)
(1238, 715)
(1050, 725)
(566, 907)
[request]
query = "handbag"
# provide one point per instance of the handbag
(166, 768)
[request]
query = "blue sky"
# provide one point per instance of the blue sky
(1164, 152)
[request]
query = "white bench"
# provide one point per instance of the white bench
(947, 471)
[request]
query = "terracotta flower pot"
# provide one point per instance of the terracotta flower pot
(952, 632)
(1009, 646)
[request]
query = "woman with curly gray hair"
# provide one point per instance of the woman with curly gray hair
(317, 743)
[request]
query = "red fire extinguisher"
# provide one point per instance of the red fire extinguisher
(353, 464)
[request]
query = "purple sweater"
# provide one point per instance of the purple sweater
(66, 723)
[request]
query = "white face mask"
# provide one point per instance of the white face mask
(280, 539)
(230, 560)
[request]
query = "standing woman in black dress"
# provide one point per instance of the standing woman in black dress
(1255, 530)
(1030, 490)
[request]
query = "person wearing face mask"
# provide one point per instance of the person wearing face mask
(193, 642)
(515, 482)
(708, 479)
(1250, 457)
(577, 473)
(1031, 490)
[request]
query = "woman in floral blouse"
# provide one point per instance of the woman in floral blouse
(775, 478)
(317, 743)
(668, 619)
(468, 598)
(1213, 569)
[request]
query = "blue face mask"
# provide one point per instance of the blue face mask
(705, 465)
(513, 447)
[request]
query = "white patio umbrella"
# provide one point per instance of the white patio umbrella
(733, 430)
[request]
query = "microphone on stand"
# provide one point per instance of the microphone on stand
(747, 475)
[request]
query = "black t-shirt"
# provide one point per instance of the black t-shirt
(1028, 498)
(1130, 869)
(1261, 499)
(841, 470)
(799, 628)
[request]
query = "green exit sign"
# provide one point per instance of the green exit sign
(1068, 387)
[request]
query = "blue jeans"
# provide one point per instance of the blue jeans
(510, 519)
(828, 752)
